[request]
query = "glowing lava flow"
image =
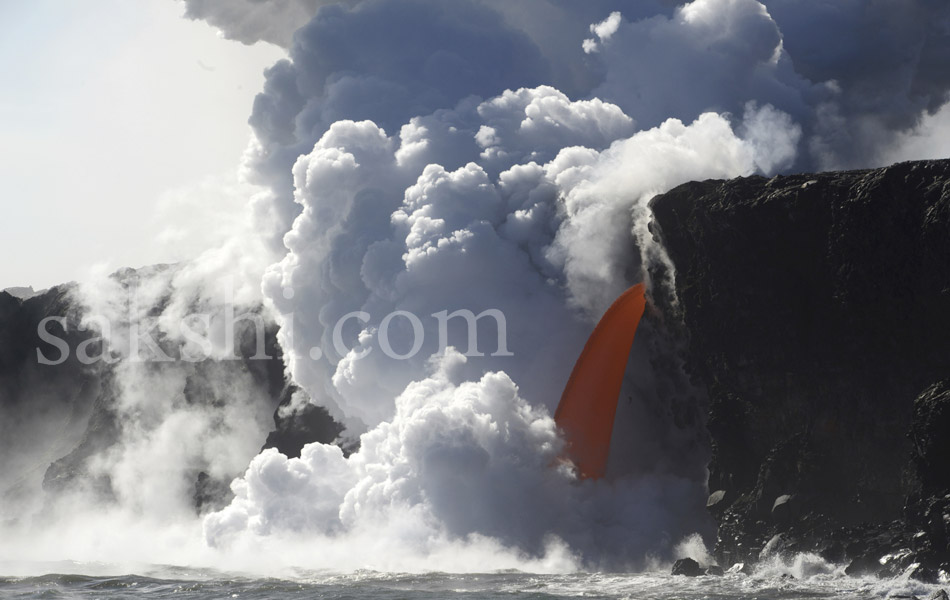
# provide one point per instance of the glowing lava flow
(589, 402)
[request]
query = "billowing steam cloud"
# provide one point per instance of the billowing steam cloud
(853, 74)
(460, 460)
(528, 204)
(387, 227)
(422, 158)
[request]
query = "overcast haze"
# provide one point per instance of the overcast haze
(106, 109)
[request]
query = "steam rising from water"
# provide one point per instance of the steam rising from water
(550, 244)
(405, 168)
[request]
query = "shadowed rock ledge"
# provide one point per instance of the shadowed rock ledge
(817, 308)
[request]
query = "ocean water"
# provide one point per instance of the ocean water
(177, 582)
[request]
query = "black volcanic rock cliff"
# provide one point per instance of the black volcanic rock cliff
(818, 310)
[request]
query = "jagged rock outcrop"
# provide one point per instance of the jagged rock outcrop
(298, 422)
(687, 567)
(818, 314)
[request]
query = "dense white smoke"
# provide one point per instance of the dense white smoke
(853, 74)
(419, 158)
(460, 460)
(532, 215)
(529, 204)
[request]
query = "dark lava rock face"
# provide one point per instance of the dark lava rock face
(818, 314)
(297, 424)
(687, 567)
(930, 435)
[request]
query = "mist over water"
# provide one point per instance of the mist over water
(414, 157)
(805, 577)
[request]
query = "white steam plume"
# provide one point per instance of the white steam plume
(544, 218)
(469, 464)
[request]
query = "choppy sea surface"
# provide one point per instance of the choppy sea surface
(177, 582)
